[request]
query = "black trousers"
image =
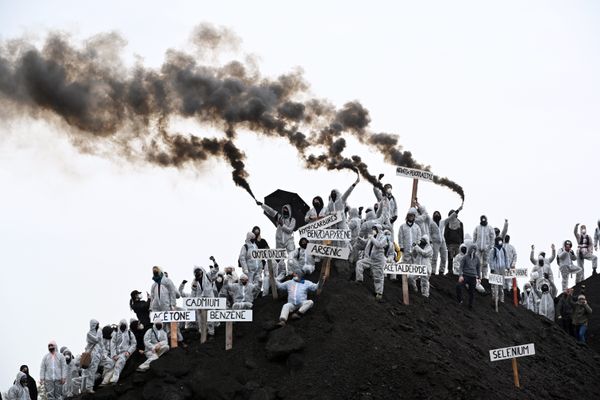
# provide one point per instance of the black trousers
(471, 281)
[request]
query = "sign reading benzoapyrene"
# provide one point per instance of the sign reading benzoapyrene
(328, 234)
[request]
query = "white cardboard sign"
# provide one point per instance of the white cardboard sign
(328, 234)
(205, 303)
(496, 279)
(323, 223)
(229, 316)
(405, 269)
(319, 250)
(414, 173)
(505, 353)
(517, 273)
(173, 316)
(269, 254)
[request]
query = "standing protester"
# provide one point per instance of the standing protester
(423, 219)
(529, 298)
(156, 344)
(140, 307)
(541, 265)
(138, 329)
(93, 346)
(123, 344)
(337, 202)
(286, 223)
(202, 286)
(242, 293)
(317, 211)
(73, 383)
(545, 291)
(31, 385)
(499, 264)
(409, 235)
(564, 311)
(566, 256)
(20, 391)
(250, 266)
(391, 206)
(164, 296)
(581, 315)
(421, 255)
(297, 302)
(596, 237)
(469, 273)
(483, 237)
(438, 243)
(53, 372)
(377, 247)
(585, 251)
(458, 258)
(354, 224)
(107, 361)
(454, 236)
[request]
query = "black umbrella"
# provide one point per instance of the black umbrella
(279, 198)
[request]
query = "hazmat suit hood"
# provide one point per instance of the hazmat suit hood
(471, 249)
(321, 204)
(353, 213)
(21, 375)
(370, 215)
(53, 343)
(123, 321)
(93, 324)
(425, 238)
(287, 208)
(337, 193)
(249, 237)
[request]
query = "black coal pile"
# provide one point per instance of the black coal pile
(351, 347)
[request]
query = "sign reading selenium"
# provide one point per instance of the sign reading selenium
(405, 269)
(268, 254)
(512, 352)
(414, 173)
(319, 250)
(229, 316)
(328, 234)
(323, 223)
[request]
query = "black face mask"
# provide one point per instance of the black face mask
(541, 263)
(463, 250)
(437, 217)
(422, 243)
(252, 240)
(123, 327)
(158, 326)
(155, 273)
(316, 204)
(303, 244)
(545, 288)
(483, 222)
(333, 196)
(198, 276)
(286, 213)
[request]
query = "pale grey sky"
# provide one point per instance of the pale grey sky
(502, 97)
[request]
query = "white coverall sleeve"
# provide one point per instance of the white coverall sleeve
(504, 230)
(348, 192)
(148, 338)
(242, 259)
(269, 210)
(182, 291)
(531, 258)
(378, 193)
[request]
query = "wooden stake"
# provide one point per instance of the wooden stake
(516, 372)
(413, 202)
(204, 327)
(228, 335)
(173, 335)
(515, 297)
(325, 267)
(272, 280)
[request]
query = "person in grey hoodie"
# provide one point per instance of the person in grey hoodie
(469, 273)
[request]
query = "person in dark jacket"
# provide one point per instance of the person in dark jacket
(564, 311)
(31, 385)
(141, 308)
(138, 329)
(469, 274)
(581, 315)
(454, 236)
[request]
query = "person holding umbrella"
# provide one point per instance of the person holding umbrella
(286, 224)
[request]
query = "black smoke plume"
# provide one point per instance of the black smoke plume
(89, 88)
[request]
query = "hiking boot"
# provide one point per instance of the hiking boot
(379, 297)
(281, 322)
(296, 316)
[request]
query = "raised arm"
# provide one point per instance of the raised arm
(575, 232)
(553, 256)
(531, 258)
(504, 229)
(348, 192)
(269, 210)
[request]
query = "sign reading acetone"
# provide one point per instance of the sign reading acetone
(328, 251)
(414, 173)
(205, 303)
(323, 223)
(405, 269)
(173, 316)
(328, 234)
(229, 316)
(268, 254)
(506, 353)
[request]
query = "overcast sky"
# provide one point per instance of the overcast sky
(502, 97)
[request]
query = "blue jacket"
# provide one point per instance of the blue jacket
(297, 290)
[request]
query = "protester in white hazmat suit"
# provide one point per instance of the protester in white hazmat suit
(107, 362)
(354, 224)
(242, 293)
(337, 203)
(317, 211)
(156, 344)
(19, 390)
(249, 266)
(483, 238)
(438, 243)
(164, 296)
(585, 251)
(545, 290)
(297, 302)
(529, 298)
(376, 248)
(499, 264)
(53, 372)
(566, 256)
(286, 223)
(72, 386)
(94, 346)
(421, 255)
(423, 219)
(301, 258)
(387, 206)
(203, 285)
(123, 345)
(542, 264)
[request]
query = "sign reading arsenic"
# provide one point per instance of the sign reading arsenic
(328, 251)
(505, 353)
(230, 316)
(405, 269)
(414, 173)
(323, 223)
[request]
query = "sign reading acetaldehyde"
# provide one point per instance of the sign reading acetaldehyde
(506, 353)
(405, 269)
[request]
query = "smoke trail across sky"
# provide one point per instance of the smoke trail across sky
(104, 103)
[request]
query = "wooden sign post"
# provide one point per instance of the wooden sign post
(229, 317)
(512, 353)
(173, 332)
(203, 304)
(497, 280)
(413, 202)
(272, 280)
(228, 335)
(204, 328)
(325, 267)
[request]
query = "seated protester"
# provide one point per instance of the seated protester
(138, 329)
(156, 344)
(123, 344)
(529, 298)
(581, 315)
(140, 308)
(302, 258)
(242, 293)
(202, 286)
(297, 302)
(19, 391)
